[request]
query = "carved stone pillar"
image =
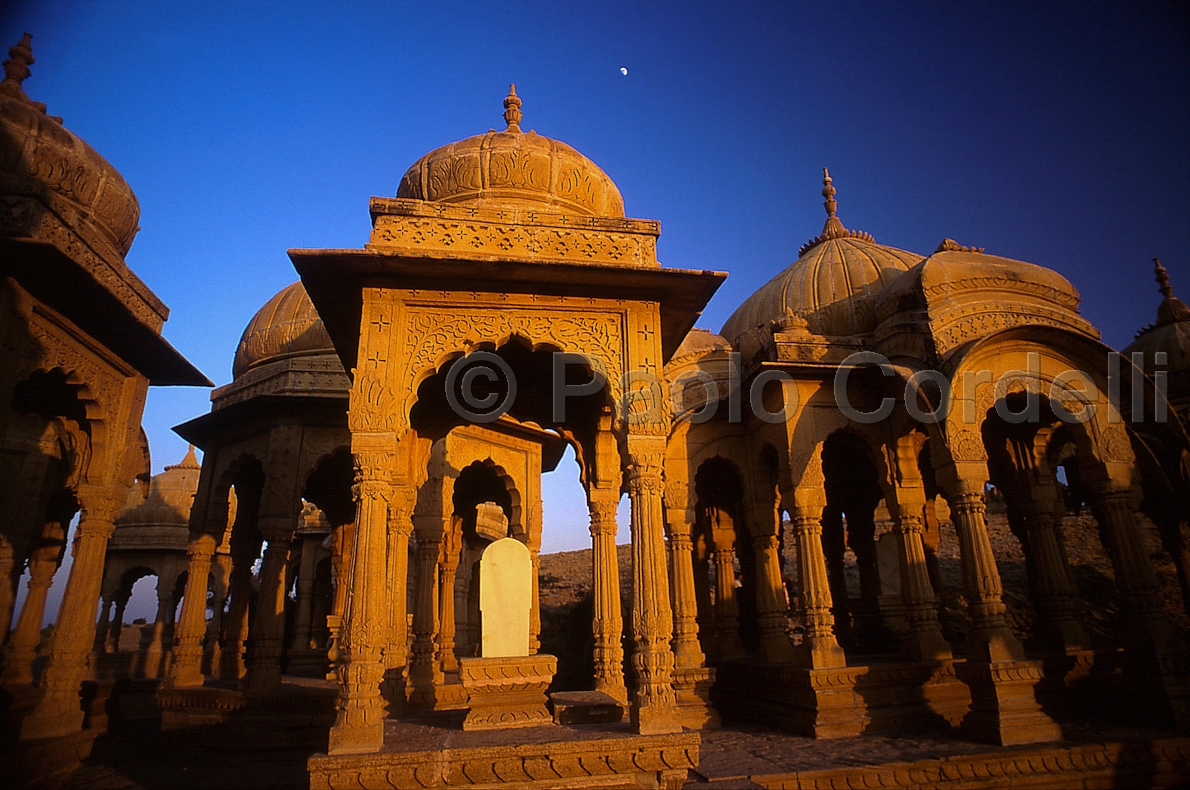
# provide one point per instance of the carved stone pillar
(267, 632)
(1004, 708)
(105, 612)
(22, 644)
(186, 667)
(156, 649)
(305, 592)
(728, 646)
(211, 650)
(116, 629)
(906, 499)
(692, 679)
(235, 625)
(819, 648)
(341, 553)
(8, 585)
(608, 624)
(1060, 629)
(359, 726)
(59, 712)
(771, 604)
(425, 674)
(448, 566)
(655, 710)
(1152, 654)
(400, 527)
(990, 638)
(925, 641)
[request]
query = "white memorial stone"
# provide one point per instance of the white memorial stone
(505, 598)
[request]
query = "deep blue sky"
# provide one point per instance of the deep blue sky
(1053, 133)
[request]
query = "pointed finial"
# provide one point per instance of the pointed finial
(1163, 284)
(512, 110)
(16, 70)
(828, 192)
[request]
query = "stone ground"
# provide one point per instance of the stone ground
(135, 753)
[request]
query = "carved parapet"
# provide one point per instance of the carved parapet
(508, 691)
(436, 230)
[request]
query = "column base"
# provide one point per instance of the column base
(692, 686)
(814, 703)
(1004, 708)
(507, 692)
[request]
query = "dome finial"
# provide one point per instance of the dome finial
(833, 228)
(1172, 309)
(828, 192)
(512, 110)
(16, 71)
(1163, 284)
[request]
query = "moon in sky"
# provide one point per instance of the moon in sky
(624, 70)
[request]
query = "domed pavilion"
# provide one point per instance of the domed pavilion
(504, 296)
(82, 343)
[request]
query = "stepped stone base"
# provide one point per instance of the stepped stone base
(590, 756)
(507, 692)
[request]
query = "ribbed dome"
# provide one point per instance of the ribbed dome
(37, 154)
(171, 495)
(1171, 333)
(831, 285)
(512, 168)
(701, 341)
(287, 326)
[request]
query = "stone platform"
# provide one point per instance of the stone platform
(433, 751)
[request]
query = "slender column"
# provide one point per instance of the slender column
(359, 726)
(727, 609)
(212, 650)
(687, 649)
(990, 640)
(535, 601)
(652, 619)
(1135, 577)
(1055, 593)
(186, 667)
(116, 630)
(608, 624)
(8, 585)
(344, 543)
(819, 648)
(101, 628)
(925, 641)
(771, 604)
(305, 592)
(424, 673)
(400, 527)
(22, 645)
(153, 656)
(448, 566)
(235, 626)
(267, 632)
(59, 712)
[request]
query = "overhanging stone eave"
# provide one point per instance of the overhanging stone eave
(334, 279)
(58, 281)
(245, 418)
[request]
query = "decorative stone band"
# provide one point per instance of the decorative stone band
(438, 231)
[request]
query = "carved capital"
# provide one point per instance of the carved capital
(677, 494)
(603, 517)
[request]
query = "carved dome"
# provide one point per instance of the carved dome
(699, 342)
(513, 168)
(42, 160)
(831, 285)
(171, 495)
(287, 326)
(1171, 335)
